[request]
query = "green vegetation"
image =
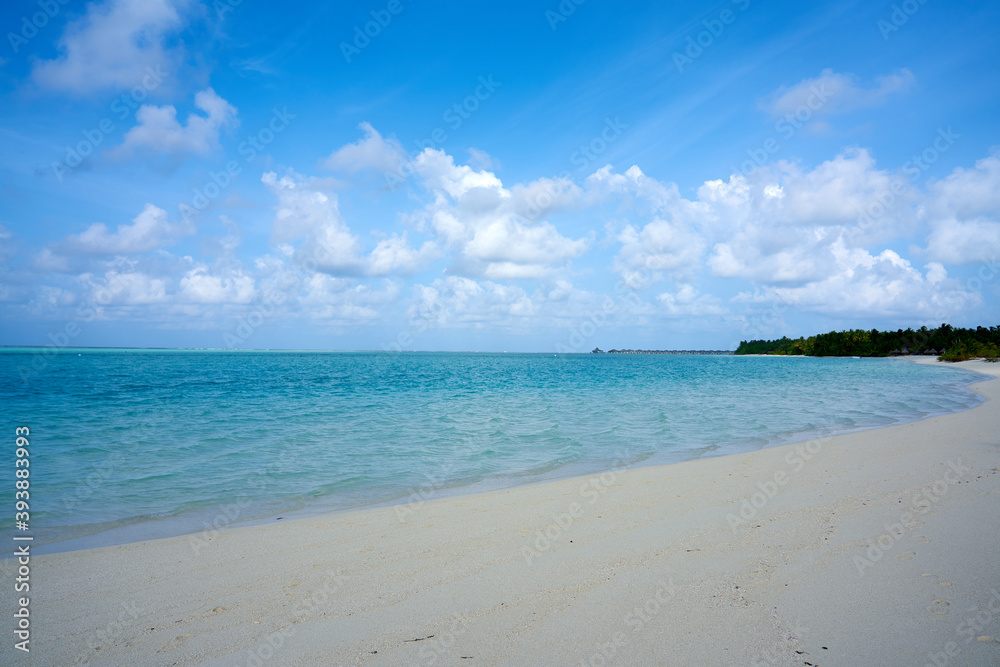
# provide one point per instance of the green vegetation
(949, 343)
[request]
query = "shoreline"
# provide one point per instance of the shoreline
(870, 547)
(193, 523)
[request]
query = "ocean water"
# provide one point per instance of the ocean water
(131, 444)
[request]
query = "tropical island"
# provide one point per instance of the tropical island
(598, 350)
(946, 342)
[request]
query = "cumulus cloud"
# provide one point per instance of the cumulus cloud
(304, 212)
(310, 215)
(158, 130)
(149, 230)
(489, 226)
(440, 173)
(780, 224)
(659, 247)
(341, 301)
(964, 214)
(395, 255)
(111, 46)
(461, 301)
(200, 285)
(665, 237)
(833, 92)
(686, 301)
(372, 152)
(883, 285)
(125, 286)
(505, 256)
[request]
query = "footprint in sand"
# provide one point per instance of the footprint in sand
(944, 583)
(907, 556)
(939, 607)
(986, 638)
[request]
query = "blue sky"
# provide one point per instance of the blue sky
(520, 176)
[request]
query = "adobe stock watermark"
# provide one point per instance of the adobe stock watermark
(219, 181)
(86, 312)
(273, 297)
(268, 647)
(777, 654)
(454, 117)
(443, 643)
(762, 322)
(583, 332)
(704, 39)
(107, 469)
(363, 36)
(32, 25)
(919, 163)
(110, 633)
(796, 460)
(223, 7)
(122, 107)
(607, 652)
(435, 482)
(899, 17)
(920, 503)
(593, 149)
(424, 316)
(973, 628)
(233, 512)
(562, 12)
(261, 313)
(591, 490)
(786, 127)
(586, 154)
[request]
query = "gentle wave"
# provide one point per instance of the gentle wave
(134, 443)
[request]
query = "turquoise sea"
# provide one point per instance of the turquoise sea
(131, 444)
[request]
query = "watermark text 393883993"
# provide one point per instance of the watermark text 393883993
(22, 550)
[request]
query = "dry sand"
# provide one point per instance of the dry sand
(873, 548)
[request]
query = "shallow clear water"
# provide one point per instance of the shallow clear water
(128, 444)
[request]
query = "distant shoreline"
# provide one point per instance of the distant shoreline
(884, 523)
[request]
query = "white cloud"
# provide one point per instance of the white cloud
(311, 215)
(46, 260)
(341, 301)
(149, 230)
(688, 302)
(481, 159)
(506, 248)
(496, 232)
(199, 285)
(440, 173)
(883, 285)
(126, 287)
(790, 238)
(659, 247)
(836, 191)
(304, 212)
(666, 237)
(464, 302)
(966, 241)
(833, 92)
(964, 214)
(158, 130)
(111, 46)
(372, 152)
(395, 255)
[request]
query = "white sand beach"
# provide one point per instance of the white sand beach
(873, 548)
